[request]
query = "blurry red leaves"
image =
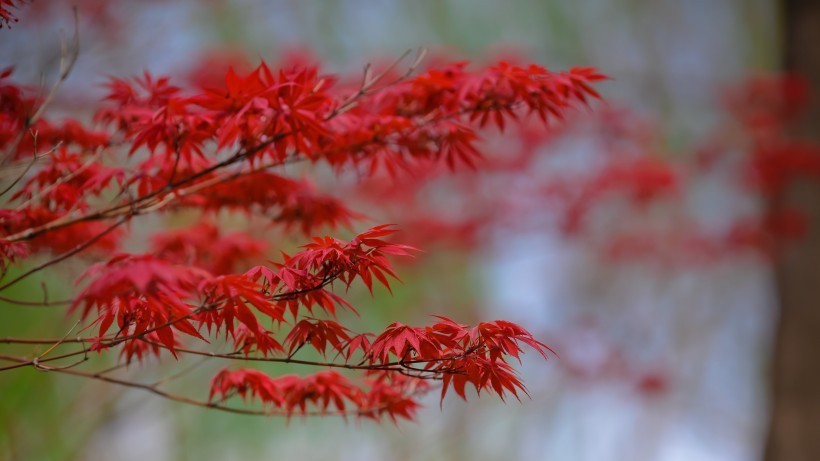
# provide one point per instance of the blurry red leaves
(11, 252)
(17, 132)
(434, 115)
(7, 16)
(206, 246)
(291, 203)
(102, 237)
(775, 166)
(67, 181)
(640, 203)
(653, 384)
(766, 105)
(640, 181)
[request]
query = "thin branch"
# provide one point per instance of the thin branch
(109, 343)
(400, 365)
(66, 255)
(132, 205)
(204, 404)
(68, 57)
(43, 341)
(44, 303)
(368, 81)
(57, 343)
(24, 362)
(45, 191)
(26, 170)
(236, 356)
(180, 373)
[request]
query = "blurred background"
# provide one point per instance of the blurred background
(662, 354)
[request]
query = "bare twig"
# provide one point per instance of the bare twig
(26, 170)
(57, 343)
(69, 52)
(44, 303)
(369, 81)
(199, 403)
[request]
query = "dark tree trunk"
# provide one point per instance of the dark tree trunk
(794, 434)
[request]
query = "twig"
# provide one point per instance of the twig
(44, 303)
(204, 404)
(66, 255)
(68, 57)
(57, 343)
(26, 170)
(45, 191)
(368, 81)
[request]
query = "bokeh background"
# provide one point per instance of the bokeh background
(656, 361)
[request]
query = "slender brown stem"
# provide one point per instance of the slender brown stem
(66, 255)
(44, 303)
(45, 191)
(24, 362)
(26, 170)
(199, 403)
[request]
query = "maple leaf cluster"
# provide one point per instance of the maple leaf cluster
(385, 394)
(157, 147)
